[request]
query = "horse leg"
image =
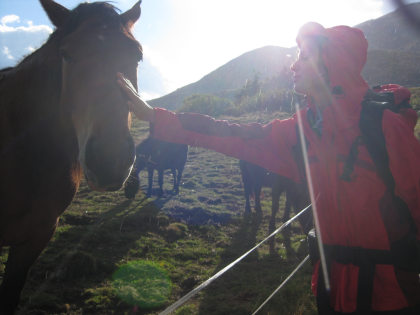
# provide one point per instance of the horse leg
(247, 181)
(160, 181)
(180, 171)
(21, 257)
(150, 171)
(276, 192)
(173, 170)
(257, 195)
(286, 215)
(132, 185)
(301, 201)
(247, 191)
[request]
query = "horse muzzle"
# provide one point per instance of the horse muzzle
(108, 165)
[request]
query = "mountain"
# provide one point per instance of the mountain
(398, 67)
(269, 60)
(393, 57)
(393, 31)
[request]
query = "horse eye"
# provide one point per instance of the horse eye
(65, 57)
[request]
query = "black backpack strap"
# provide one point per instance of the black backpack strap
(373, 137)
(348, 167)
(402, 254)
(371, 127)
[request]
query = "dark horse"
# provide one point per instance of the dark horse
(159, 155)
(255, 177)
(62, 114)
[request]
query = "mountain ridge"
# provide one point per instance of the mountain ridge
(392, 58)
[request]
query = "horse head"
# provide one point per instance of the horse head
(95, 43)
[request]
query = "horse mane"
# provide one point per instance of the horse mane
(85, 10)
(6, 69)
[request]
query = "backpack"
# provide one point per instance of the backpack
(403, 253)
(396, 99)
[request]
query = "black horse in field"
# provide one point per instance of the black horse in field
(255, 177)
(159, 155)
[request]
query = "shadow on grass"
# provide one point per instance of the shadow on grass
(248, 284)
(226, 287)
(82, 255)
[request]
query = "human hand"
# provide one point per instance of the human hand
(140, 108)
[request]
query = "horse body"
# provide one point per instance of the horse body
(254, 177)
(62, 114)
(159, 155)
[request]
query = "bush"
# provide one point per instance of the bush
(176, 231)
(415, 98)
(271, 101)
(206, 104)
(234, 111)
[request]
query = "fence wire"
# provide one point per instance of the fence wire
(186, 297)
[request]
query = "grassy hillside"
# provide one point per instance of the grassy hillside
(185, 239)
(384, 67)
(392, 58)
(393, 31)
(269, 60)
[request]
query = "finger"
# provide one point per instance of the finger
(121, 75)
(135, 110)
(132, 94)
(127, 83)
(125, 80)
(132, 106)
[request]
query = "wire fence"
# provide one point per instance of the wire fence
(186, 297)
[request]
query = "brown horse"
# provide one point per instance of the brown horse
(61, 114)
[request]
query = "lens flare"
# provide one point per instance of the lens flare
(142, 284)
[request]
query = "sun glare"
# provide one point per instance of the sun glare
(208, 34)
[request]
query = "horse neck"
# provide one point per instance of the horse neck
(40, 75)
(31, 95)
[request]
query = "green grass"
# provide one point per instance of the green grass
(184, 239)
(171, 245)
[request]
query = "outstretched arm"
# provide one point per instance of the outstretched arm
(269, 146)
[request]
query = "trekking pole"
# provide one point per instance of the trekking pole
(311, 193)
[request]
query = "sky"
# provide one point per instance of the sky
(183, 40)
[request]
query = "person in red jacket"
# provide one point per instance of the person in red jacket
(370, 247)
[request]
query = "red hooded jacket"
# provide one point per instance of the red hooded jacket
(352, 214)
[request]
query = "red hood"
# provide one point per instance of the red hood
(345, 54)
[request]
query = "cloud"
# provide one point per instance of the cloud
(9, 19)
(17, 41)
(162, 64)
(150, 81)
(6, 51)
(149, 96)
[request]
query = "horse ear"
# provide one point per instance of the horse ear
(131, 16)
(57, 14)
